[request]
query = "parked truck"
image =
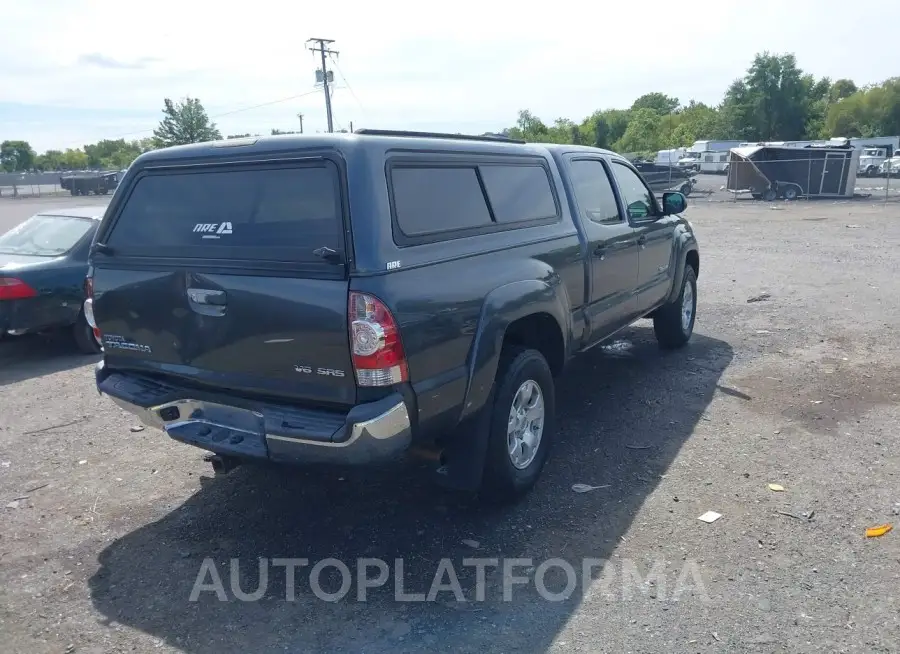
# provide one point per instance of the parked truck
(99, 183)
(870, 160)
(346, 299)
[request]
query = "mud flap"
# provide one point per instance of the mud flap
(464, 456)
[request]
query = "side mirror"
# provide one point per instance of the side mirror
(673, 203)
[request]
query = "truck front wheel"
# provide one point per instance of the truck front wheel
(522, 424)
(673, 323)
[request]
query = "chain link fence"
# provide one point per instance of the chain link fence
(23, 185)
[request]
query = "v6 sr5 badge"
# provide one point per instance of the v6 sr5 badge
(326, 372)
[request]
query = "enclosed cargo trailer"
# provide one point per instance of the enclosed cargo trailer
(771, 172)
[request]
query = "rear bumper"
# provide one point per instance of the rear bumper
(369, 433)
(22, 317)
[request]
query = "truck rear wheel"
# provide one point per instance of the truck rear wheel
(522, 425)
(673, 323)
(85, 338)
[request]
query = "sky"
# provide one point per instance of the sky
(75, 71)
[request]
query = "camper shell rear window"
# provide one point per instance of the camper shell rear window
(278, 212)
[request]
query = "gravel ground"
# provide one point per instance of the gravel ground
(105, 529)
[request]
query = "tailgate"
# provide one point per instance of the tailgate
(230, 276)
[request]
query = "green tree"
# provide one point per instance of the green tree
(872, 111)
(642, 134)
(774, 100)
(695, 122)
(16, 155)
(73, 159)
(658, 102)
(50, 160)
(529, 127)
(600, 132)
(771, 102)
(184, 122)
(842, 88)
(603, 128)
(112, 154)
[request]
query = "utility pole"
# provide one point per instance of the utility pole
(300, 116)
(322, 49)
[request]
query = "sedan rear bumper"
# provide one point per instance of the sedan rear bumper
(33, 315)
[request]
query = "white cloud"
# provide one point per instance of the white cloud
(459, 65)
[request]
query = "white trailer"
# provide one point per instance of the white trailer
(714, 163)
(713, 146)
(890, 143)
(709, 157)
(670, 157)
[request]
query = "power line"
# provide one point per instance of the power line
(322, 49)
(264, 104)
(216, 117)
(349, 88)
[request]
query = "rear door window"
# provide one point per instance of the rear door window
(282, 213)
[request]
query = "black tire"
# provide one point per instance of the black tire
(791, 193)
(503, 482)
(84, 336)
(685, 189)
(671, 331)
(770, 195)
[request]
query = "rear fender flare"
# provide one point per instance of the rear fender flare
(684, 242)
(502, 307)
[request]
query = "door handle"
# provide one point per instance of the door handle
(207, 296)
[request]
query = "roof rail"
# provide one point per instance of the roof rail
(436, 135)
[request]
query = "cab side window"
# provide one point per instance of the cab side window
(594, 192)
(636, 196)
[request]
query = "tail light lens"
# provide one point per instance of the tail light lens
(12, 288)
(89, 305)
(378, 357)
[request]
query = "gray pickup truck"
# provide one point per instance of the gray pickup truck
(351, 298)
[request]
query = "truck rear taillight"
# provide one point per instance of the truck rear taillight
(89, 305)
(12, 288)
(377, 351)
